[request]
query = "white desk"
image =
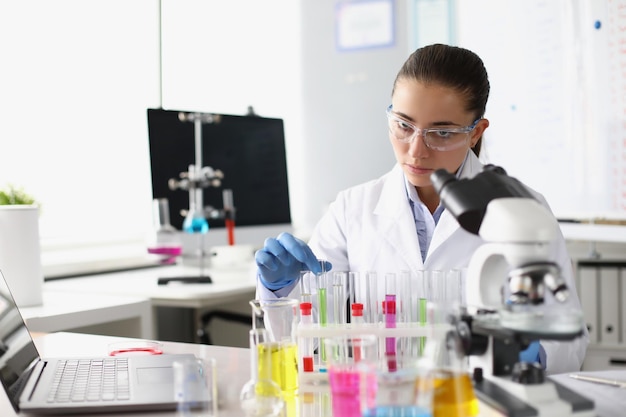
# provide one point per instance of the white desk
(233, 370)
(63, 311)
(229, 285)
(610, 401)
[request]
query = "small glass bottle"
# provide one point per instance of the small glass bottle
(164, 241)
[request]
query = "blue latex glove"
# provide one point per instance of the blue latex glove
(531, 354)
(280, 261)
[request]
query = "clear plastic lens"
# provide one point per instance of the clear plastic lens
(439, 139)
(452, 140)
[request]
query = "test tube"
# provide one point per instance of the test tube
(404, 297)
(354, 295)
(307, 284)
(421, 288)
(454, 286)
(306, 343)
(356, 311)
(322, 286)
(371, 296)
(436, 285)
(390, 320)
(339, 297)
(229, 215)
(403, 310)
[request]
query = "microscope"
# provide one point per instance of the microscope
(508, 281)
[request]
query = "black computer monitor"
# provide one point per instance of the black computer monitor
(249, 150)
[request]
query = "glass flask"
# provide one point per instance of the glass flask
(164, 240)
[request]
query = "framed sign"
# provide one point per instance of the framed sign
(364, 24)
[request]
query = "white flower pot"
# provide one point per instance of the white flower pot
(20, 253)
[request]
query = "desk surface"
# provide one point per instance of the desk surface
(233, 366)
(62, 311)
(610, 401)
(228, 284)
(233, 369)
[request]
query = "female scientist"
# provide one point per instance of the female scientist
(396, 222)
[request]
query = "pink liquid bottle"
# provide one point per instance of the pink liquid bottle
(164, 241)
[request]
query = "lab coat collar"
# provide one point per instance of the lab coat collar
(394, 214)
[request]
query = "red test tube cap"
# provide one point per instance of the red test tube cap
(357, 309)
(305, 308)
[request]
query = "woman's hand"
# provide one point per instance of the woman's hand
(280, 261)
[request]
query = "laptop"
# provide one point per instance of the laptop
(32, 384)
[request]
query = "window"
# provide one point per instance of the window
(79, 79)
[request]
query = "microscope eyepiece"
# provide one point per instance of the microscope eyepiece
(440, 178)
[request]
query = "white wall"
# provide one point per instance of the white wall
(224, 56)
(75, 80)
(344, 97)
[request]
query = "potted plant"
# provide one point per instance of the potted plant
(20, 250)
(12, 195)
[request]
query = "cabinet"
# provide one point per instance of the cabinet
(602, 291)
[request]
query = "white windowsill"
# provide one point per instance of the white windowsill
(70, 260)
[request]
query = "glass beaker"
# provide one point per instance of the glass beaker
(407, 390)
(195, 386)
(352, 374)
(453, 394)
(279, 318)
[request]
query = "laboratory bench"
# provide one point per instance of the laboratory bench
(230, 361)
(175, 308)
(233, 371)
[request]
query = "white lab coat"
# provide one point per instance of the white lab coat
(370, 227)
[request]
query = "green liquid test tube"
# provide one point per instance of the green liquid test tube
(423, 303)
(321, 292)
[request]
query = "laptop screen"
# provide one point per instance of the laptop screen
(18, 353)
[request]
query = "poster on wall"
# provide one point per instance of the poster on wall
(364, 24)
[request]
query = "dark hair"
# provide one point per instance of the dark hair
(453, 67)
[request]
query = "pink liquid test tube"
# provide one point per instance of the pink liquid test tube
(390, 323)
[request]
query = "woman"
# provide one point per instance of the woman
(397, 222)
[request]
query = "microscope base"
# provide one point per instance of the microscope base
(547, 399)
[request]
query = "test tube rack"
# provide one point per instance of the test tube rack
(402, 330)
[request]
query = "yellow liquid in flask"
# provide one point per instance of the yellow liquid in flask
(279, 362)
(454, 395)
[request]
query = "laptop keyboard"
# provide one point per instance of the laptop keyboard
(77, 380)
